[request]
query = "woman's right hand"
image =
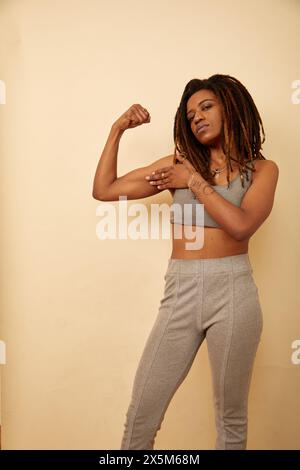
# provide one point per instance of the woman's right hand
(133, 117)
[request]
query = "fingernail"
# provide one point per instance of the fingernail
(147, 177)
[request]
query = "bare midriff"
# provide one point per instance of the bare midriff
(216, 243)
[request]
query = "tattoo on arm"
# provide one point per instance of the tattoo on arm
(200, 186)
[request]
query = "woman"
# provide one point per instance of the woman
(209, 292)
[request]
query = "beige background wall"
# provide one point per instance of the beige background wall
(75, 310)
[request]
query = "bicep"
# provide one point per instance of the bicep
(133, 184)
(259, 198)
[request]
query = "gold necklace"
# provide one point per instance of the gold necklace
(217, 171)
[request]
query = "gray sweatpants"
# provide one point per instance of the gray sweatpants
(216, 299)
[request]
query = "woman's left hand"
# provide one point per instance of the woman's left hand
(174, 176)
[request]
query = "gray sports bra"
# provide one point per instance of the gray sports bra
(187, 210)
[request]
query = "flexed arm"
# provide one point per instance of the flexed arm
(107, 185)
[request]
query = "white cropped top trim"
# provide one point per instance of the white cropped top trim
(187, 210)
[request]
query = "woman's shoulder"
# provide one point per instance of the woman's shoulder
(260, 163)
(265, 165)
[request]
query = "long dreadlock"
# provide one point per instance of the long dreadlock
(241, 127)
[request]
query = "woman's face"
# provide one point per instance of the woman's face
(204, 109)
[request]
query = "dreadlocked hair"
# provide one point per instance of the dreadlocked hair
(240, 130)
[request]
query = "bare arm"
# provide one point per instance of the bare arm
(107, 185)
(241, 222)
(259, 199)
(106, 172)
(133, 184)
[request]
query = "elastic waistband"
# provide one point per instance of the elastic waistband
(233, 263)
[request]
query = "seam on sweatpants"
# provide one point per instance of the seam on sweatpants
(154, 356)
(200, 293)
(226, 355)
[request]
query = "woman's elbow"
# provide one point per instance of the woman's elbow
(242, 229)
(96, 195)
(105, 196)
(240, 236)
(243, 233)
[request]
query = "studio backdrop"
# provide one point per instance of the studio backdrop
(76, 308)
